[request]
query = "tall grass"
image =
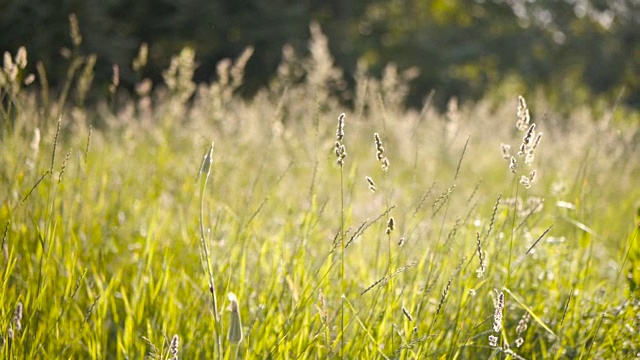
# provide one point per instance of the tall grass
(116, 245)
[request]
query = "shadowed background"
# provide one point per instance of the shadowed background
(571, 49)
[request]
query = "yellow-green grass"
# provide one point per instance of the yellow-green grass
(102, 241)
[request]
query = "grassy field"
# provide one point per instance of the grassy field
(124, 237)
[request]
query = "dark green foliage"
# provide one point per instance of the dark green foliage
(462, 48)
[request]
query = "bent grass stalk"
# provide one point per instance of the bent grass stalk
(205, 170)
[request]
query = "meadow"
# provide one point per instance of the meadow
(187, 222)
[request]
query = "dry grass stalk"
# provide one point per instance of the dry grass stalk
(385, 279)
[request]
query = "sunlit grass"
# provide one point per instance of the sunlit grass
(102, 233)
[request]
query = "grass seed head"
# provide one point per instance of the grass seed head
(341, 153)
(522, 114)
(443, 297)
(340, 130)
(17, 316)
(379, 147)
(526, 141)
(391, 225)
(523, 323)
(497, 315)
(385, 164)
(513, 165)
(536, 142)
(407, 314)
(481, 257)
(384, 161)
(74, 28)
(506, 148)
(141, 59)
(21, 57)
(322, 308)
(511, 353)
(9, 67)
(173, 347)
(339, 148)
(493, 340)
(29, 79)
(372, 185)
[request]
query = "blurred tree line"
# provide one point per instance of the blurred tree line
(571, 49)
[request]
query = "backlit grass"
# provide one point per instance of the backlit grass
(102, 238)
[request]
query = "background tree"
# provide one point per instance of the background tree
(571, 49)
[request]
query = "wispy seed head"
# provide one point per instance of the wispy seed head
(407, 314)
(384, 161)
(29, 79)
(513, 165)
(536, 142)
(173, 347)
(443, 297)
(340, 130)
(17, 316)
(481, 257)
(322, 307)
(493, 340)
(529, 135)
(76, 38)
(523, 323)
(8, 62)
(497, 315)
(379, 147)
(372, 185)
(385, 164)
(522, 114)
(21, 57)
(340, 152)
(506, 148)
